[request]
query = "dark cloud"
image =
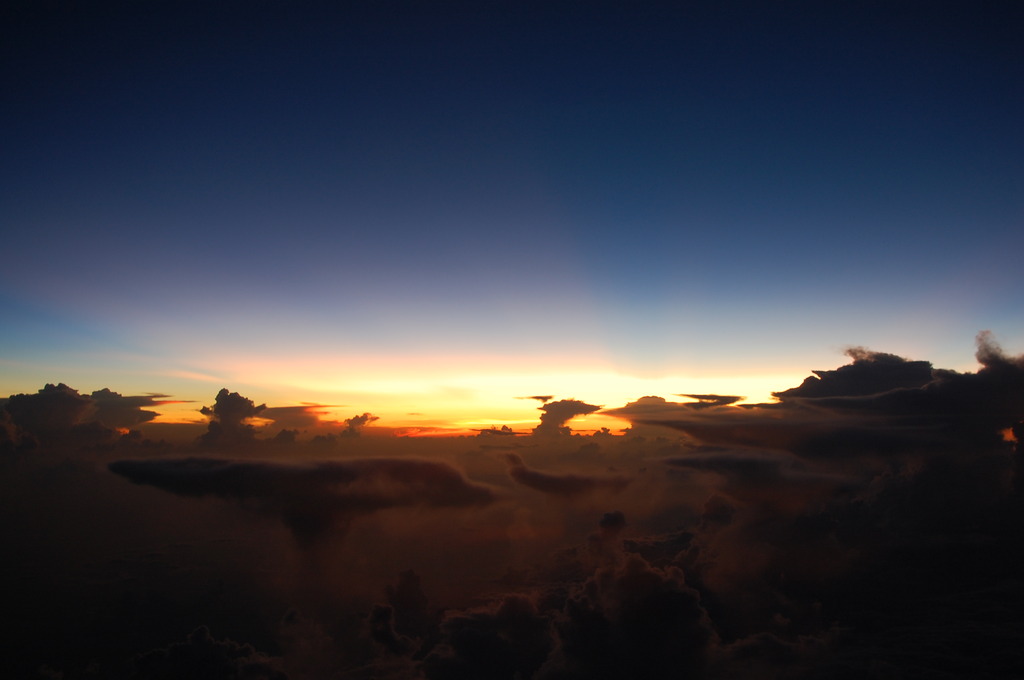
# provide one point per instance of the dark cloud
(382, 631)
(878, 405)
(543, 398)
(565, 485)
(54, 408)
(870, 373)
(621, 618)
(770, 475)
(59, 415)
(558, 413)
(503, 431)
(413, 616)
(313, 498)
(13, 439)
(114, 410)
(709, 400)
(285, 437)
(303, 417)
(228, 417)
(355, 424)
(510, 639)
(203, 657)
(631, 620)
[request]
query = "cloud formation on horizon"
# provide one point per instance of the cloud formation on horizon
(870, 517)
(556, 415)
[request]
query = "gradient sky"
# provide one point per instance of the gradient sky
(436, 208)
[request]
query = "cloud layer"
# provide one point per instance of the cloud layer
(312, 498)
(867, 524)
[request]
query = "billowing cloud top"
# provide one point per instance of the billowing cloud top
(557, 413)
(877, 403)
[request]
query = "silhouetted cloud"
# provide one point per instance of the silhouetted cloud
(503, 431)
(302, 417)
(709, 400)
(312, 498)
(543, 398)
(355, 424)
(228, 417)
(114, 410)
(558, 413)
(870, 373)
(53, 408)
(59, 415)
(566, 485)
(879, 404)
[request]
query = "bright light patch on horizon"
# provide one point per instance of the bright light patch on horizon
(481, 400)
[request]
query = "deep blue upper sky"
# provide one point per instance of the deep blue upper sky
(675, 183)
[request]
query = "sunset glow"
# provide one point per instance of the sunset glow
(395, 340)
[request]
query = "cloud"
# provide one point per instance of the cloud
(866, 522)
(54, 408)
(313, 498)
(565, 485)
(304, 417)
(709, 400)
(114, 410)
(503, 431)
(202, 656)
(625, 618)
(870, 373)
(558, 413)
(57, 415)
(631, 620)
(878, 405)
(228, 417)
(508, 639)
(355, 424)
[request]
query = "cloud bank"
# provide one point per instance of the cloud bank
(870, 523)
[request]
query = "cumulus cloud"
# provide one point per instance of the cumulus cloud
(312, 498)
(355, 424)
(509, 639)
(54, 408)
(565, 485)
(60, 415)
(631, 620)
(869, 373)
(228, 417)
(203, 656)
(877, 405)
(557, 414)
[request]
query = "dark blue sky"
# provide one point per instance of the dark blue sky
(668, 185)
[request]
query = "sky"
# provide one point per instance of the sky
(511, 340)
(379, 204)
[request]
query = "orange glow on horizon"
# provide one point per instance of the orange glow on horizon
(467, 403)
